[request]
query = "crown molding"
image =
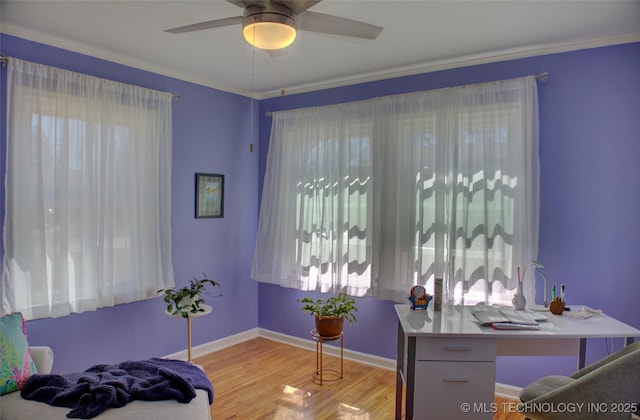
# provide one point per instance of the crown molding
(458, 62)
(428, 67)
(100, 53)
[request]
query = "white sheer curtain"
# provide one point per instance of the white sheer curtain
(316, 215)
(375, 196)
(88, 192)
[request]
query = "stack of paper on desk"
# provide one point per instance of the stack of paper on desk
(508, 318)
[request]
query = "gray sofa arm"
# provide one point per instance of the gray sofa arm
(43, 358)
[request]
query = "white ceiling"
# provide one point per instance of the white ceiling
(418, 36)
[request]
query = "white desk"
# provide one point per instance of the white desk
(428, 343)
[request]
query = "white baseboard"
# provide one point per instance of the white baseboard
(503, 390)
(330, 350)
(211, 346)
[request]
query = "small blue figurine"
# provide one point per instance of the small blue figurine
(419, 298)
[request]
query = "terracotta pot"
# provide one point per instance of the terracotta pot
(329, 326)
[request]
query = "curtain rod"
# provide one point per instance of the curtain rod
(4, 59)
(543, 77)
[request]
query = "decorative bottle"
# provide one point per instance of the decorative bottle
(437, 292)
(518, 301)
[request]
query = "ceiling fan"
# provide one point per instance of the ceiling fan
(272, 24)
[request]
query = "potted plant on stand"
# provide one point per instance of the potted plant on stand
(331, 313)
(188, 300)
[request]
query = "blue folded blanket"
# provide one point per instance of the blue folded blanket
(100, 387)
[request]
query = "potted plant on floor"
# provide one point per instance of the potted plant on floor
(330, 313)
(188, 300)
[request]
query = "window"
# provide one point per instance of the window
(87, 220)
(375, 196)
(341, 205)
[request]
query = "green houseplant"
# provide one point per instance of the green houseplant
(330, 313)
(188, 299)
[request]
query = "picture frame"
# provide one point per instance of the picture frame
(209, 196)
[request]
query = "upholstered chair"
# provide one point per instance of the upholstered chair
(606, 389)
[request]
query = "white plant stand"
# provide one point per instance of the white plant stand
(207, 311)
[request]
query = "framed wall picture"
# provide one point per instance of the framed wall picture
(209, 195)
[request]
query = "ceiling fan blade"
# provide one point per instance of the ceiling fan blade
(206, 25)
(328, 24)
(298, 6)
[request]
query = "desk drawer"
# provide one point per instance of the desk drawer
(441, 389)
(460, 349)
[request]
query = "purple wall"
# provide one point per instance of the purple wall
(211, 133)
(590, 179)
(589, 235)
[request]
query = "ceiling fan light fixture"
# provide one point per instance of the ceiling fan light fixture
(269, 35)
(269, 28)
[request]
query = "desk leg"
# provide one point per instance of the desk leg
(582, 355)
(398, 395)
(410, 377)
(399, 370)
(408, 372)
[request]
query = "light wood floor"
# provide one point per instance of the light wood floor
(263, 379)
